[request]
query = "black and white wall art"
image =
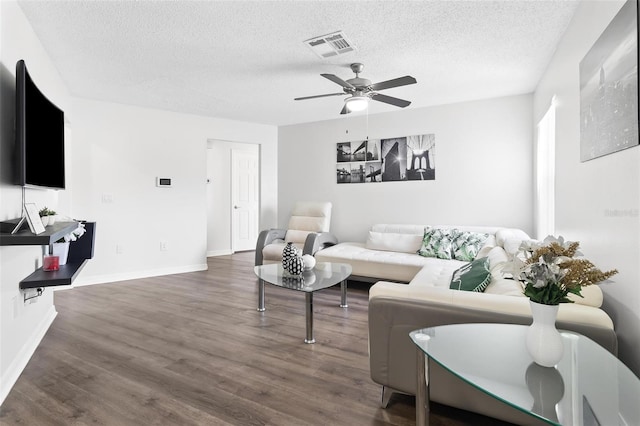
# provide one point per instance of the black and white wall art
(386, 160)
(609, 88)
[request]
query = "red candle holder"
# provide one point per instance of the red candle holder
(51, 263)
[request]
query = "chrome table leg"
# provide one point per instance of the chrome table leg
(422, 391)
(309, 317)
(343, 297)
(260, 295)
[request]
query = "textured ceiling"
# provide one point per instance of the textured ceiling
(246, 60)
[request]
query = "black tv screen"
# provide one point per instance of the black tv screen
(39, 135)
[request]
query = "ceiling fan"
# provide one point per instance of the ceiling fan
(361, 90)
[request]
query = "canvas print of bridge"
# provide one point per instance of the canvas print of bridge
(609, 88)
(386, 160)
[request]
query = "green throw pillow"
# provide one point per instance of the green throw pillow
(436, 243)
(474, 276)
(466, 245)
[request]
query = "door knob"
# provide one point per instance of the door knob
(236, 207)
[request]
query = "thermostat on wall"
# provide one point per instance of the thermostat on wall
(163, 182)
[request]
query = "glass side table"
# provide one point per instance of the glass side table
(589, 386)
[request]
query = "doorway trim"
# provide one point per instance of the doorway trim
(219, 226)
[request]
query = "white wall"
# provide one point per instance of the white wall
(483, 157)
(118, 153)
(219, 194)
(597, 201)
(22, 326)
(114, 152)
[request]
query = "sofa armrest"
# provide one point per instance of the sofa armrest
(391, 318)
(317, 241)
(265, 238)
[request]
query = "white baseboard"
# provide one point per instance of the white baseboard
(214, 253)
(10, 377)
(134, 275)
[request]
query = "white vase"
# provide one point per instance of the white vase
(62, 251)
(45, 220)
(544, 342)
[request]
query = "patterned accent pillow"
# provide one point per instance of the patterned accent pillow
(466, 245)
(474, 276)
(436, 242)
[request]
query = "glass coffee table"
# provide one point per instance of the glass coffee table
(589, 386)
(324, 275)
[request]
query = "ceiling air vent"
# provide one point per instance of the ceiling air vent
(330, 45)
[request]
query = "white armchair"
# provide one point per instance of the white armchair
(308, 230)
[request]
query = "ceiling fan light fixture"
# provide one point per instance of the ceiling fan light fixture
(357, 103)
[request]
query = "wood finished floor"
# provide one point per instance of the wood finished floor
(191, 349)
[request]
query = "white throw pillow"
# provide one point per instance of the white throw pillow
(511, 239)
(489, 244)
(498, 258)
(389, 241)
(497, 255)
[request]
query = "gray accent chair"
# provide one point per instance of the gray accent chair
(308, 230)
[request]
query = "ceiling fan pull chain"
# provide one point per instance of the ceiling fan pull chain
(367, 123)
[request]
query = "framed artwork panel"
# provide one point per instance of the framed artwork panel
(609, 88)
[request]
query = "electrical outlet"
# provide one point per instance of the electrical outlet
(119, 249)
(164, 246)
(30, 295)
(107, 198)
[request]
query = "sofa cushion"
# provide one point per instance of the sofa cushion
(387, 265)
(466, 245)
(436, 272)
(437, 242)
(474, 276)
(392, 241)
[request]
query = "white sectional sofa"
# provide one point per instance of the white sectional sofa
(421, 297)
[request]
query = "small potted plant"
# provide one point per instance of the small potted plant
(47, 216)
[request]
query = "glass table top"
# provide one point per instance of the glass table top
(589, 386)
(324, 275)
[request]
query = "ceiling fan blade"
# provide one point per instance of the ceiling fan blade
(390, 100)
(319, 96)
(345, 110)
(338, 80)
(396, 82)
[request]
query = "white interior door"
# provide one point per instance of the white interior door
(244, 199)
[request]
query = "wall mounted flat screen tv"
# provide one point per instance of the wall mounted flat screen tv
(39, 135)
